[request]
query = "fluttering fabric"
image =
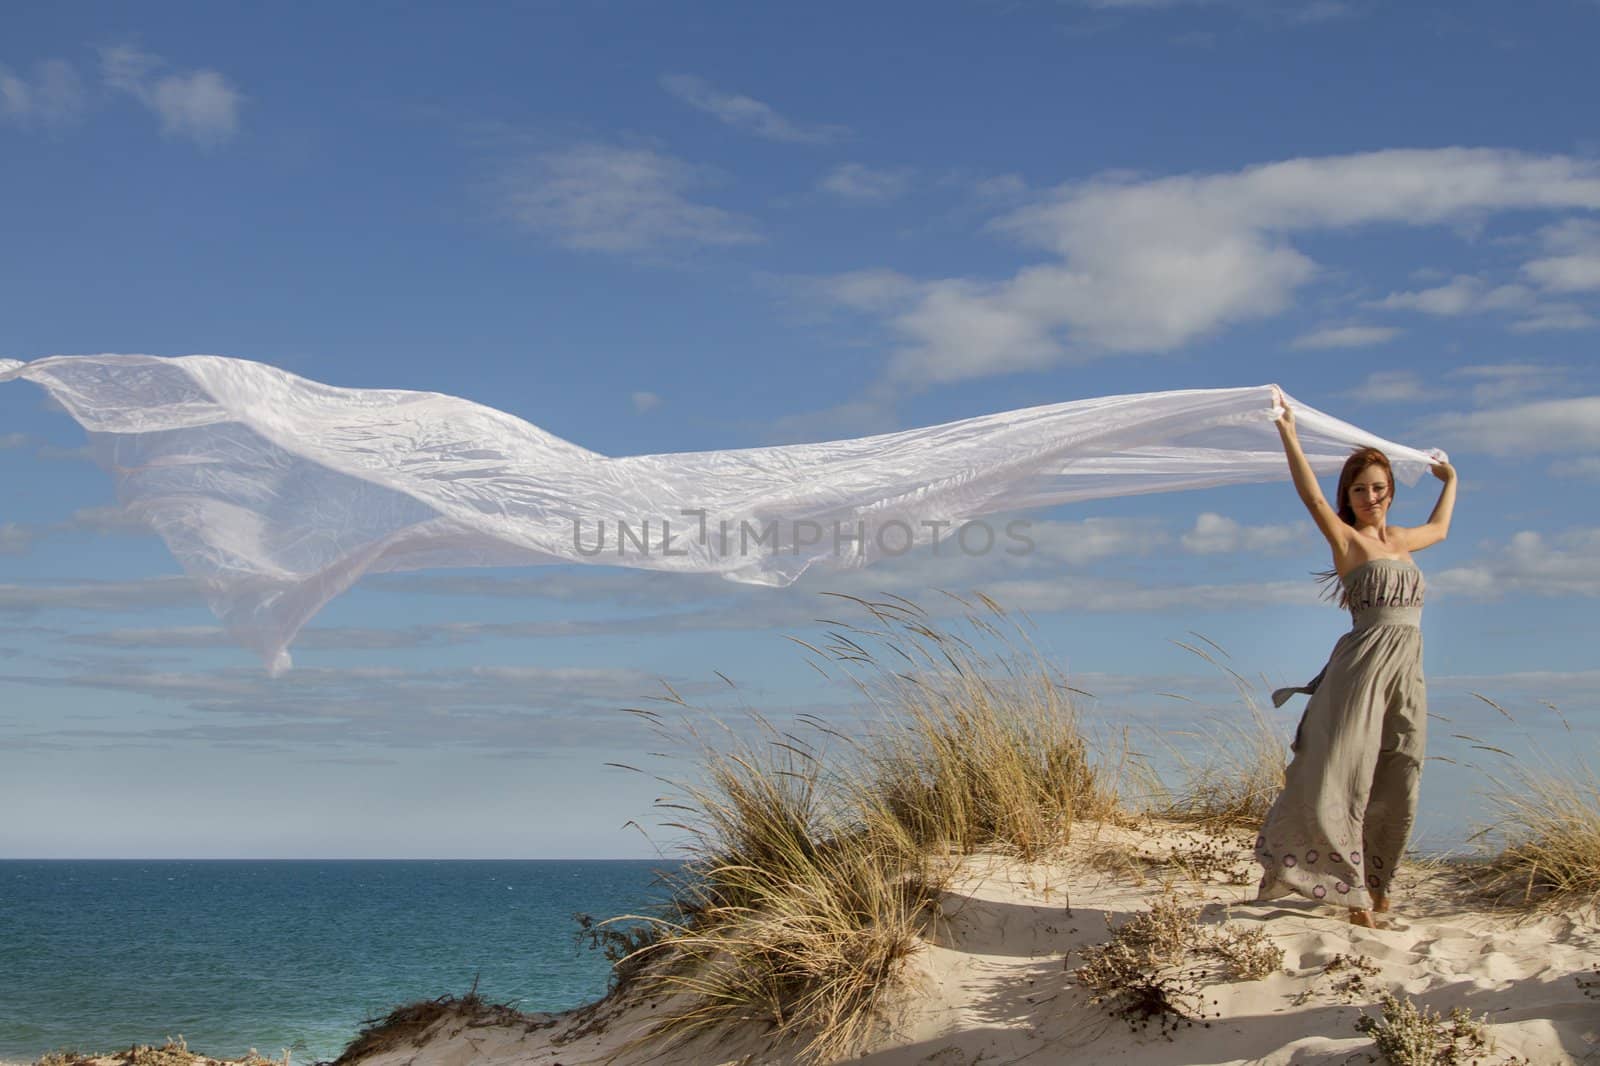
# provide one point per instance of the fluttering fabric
(276, 493)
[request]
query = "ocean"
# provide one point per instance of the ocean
(96, 955)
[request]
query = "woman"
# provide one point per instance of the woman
(1336, 831)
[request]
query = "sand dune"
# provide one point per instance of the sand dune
(994, 980)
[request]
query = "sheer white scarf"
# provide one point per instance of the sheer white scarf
(277, 493)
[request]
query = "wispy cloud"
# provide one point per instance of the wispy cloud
(644, 401)
(1215, 534)
(201, 105)
(859, 183)
(1462, 295)
(1573, 264)
(14, 440)
(102, 595)
(747, 114)
(1496, 383)
(1147, 266)
(607, 198)
(51, 98)
(1541, 427)
(1565, 565)
(1561, 316)
(1388, 386)
(501, 708)
(1346, 337)
(1467, 295)
(1587, 467)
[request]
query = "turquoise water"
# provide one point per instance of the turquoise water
(100, 954)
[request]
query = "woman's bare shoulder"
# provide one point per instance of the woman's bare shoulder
(1362, 548)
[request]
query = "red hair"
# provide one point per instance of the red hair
(1359, 460)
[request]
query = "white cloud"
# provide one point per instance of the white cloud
(745, 113)
(1502, 381)
(1093, 539)
(853, 181)
(599, 197)
(644, 401)
(200, 104)
(1461, 296)
(1147, 266)
(1566, 273)
(13, 440)
(868, 290)
(1000, 187)
(1545, 426)
(500, 708)
(53, 97)
(1467, 295)
(1215, 534)
(1528, 563)
(1346, 337)
(102, 596)
(1555, 317)
(1574, 265)
(1388, 386)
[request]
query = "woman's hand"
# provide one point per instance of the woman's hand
(1444, 472)
(1285, 414)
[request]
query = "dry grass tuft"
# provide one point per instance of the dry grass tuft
(63, 1057)
(1407, 1035)
(409, 1025)
(1239, 770)
(1157, 962)
(811, 874)
(173, 1052)
(1549, 821)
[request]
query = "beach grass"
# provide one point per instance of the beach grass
(1543, 834)
(1228, 775)
(1548, 818)
(816, 860)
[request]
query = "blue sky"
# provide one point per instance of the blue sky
(657, 228)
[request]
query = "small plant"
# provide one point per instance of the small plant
(1156, 963)
(1408, 1035)
(624, 946)
(1352, 985)
(172, 1053)
(1246, 954)
(62, 1057)
(408, 1026)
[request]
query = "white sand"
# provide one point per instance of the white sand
(993, 982)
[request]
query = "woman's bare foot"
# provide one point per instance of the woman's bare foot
(1362, 918)
(1380, 904)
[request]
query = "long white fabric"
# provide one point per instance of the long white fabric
(276, 493)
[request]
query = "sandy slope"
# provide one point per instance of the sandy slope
(993, 985)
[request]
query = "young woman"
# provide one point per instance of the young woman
(1336, 831)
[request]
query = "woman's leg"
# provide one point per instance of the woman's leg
(1392, 802)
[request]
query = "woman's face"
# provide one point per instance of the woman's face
(1369, 495)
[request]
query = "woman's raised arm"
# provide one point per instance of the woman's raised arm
(1305, 480)
(1438, 525)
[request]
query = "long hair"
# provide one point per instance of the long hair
(1360, 459)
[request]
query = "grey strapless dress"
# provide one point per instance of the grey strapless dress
(1337, 829)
